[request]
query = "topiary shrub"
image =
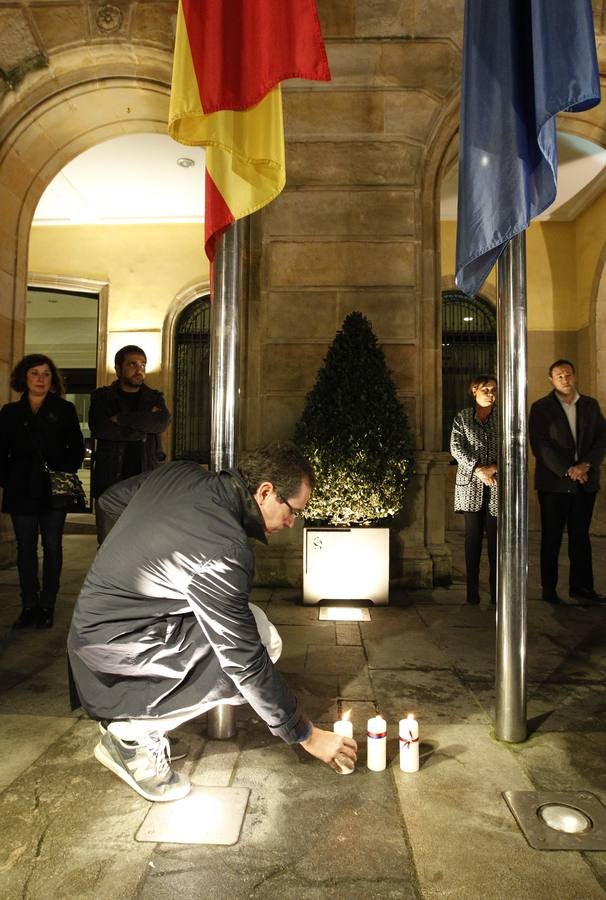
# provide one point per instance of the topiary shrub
(355, 432)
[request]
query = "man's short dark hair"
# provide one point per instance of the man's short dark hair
(479, 380)
(560, 362)
(19, 373)
(124, 351)
(281, 463)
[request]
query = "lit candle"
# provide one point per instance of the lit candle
(409, 744)
(344, 727)
(376, 758)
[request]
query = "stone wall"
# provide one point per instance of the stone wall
(356, 227)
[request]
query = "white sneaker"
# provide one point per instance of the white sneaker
(144, 765)
(177, 748)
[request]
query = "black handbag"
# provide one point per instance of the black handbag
(66, 491)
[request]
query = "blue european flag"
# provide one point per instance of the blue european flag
(523, 62)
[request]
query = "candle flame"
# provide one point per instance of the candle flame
(346, 716)
(410, 716)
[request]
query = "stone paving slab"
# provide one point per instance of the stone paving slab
(572, 761)
(45, 693)
(67, 826)
(356, 686)
(404, 643)
(554, 707)
(23, 739)
(317, 694)
(434, 696)
(307, 831)
(348, 634)
(463, 755)
(339, 661)
(466, 844)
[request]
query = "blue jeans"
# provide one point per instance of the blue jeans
(27, 528)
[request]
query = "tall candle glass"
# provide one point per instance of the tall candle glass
(376, 758)
(409, 744)
(344, 727)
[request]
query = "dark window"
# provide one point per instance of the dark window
(192, 383)
(469, 348)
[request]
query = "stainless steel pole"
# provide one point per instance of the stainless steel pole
(225, 337)
(225, 346)
(512, 541)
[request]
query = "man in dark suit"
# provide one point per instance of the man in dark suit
(568, 438)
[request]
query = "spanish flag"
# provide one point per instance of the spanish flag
(230, 57)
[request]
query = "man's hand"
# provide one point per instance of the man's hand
(331, 748)
(579, 472)
(486, 474)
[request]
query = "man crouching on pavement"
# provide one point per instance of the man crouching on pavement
(163, 631)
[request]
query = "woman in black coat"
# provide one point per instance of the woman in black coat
(40, 427)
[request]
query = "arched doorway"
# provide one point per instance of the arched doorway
(192, 410)
(46, 128)
(469, 347)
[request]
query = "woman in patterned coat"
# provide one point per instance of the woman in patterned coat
(473, 443)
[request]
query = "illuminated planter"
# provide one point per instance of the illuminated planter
(346, 564)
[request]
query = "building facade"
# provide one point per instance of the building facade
(357, 227)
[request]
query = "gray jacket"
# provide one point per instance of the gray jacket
(473, 443)
(162, 621)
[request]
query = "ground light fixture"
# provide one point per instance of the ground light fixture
(559, 820)
(343, 614)
(208, 815)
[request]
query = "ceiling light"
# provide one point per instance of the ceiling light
(185, 162)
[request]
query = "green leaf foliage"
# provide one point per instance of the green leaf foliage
(355, 433)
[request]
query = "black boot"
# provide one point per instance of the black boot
(28, 617)
(45, 617)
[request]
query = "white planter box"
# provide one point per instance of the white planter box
(346, 564)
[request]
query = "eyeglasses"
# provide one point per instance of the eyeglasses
(295, 513)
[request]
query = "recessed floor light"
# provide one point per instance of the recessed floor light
(343, 614)
(559, 820)
(208, 815)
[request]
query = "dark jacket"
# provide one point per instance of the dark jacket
(552, 443)
(26, 439)
(162, 621)
(112, 437)
(473, 443)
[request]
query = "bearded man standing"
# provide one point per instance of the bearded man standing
(126, 420)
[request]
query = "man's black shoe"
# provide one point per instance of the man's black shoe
(28, 617)
(588, 594)
(551, 598)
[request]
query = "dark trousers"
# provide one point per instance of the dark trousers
(27, 528)
(571, 511)
(476, 523)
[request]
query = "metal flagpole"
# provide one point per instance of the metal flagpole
(512, 541)
(225, 346)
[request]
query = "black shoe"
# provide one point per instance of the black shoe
(587, 594)
(473, 599)
(28, 617)
(46, 615)
(551, 598)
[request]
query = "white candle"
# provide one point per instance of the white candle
(376, 758)
(409, 744)
(345, 728)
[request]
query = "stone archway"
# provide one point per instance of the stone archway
(65, 110)
(597, 316)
